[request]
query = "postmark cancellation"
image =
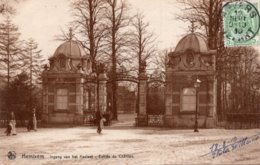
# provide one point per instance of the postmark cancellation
(241, 22)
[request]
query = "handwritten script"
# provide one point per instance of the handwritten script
(230, 145)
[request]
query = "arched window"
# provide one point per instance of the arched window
(62, 63)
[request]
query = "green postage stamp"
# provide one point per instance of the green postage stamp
(241, 23)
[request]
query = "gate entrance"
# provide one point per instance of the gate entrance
(126, 101)
(155, 102)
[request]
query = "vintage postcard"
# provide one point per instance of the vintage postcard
(149, 82)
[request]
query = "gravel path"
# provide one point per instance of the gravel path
(122, 143)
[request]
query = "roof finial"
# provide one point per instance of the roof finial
(192, 27)
(70, 34)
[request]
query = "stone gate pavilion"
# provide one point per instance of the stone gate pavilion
(69, 89)
(191, 60)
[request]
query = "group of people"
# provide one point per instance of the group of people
(32, 123)
(11, 125)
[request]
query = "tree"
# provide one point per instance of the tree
(207, 15)
(162, 59)
(11, 53)
(33, 66)
(116, 40)
(5, 8)
(33, 62)
(239, 73)
(89, 23)
(142, 44)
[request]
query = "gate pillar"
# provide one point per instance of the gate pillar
(142, 115)
(102, 92)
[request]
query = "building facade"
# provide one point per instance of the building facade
(69, 88)
(191, 61)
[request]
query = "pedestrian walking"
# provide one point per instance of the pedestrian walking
(32, 123)
(34, 120)
(102, 121)
(99, 121)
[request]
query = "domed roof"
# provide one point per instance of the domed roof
(192, 41)
(70, 49)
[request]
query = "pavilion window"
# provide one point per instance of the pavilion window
(188, 99)
(62, 99)
(62, 63)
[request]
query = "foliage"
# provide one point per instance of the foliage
(89, 25)
(6, 8)
(20, 97)
(206, 15)
(239, 79)
(11, 53)
(143, 44)
(33, 61)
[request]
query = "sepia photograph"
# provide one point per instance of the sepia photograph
(129, 82)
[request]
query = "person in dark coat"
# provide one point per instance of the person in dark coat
(98, 120)
(10, 129)
(32, 123)
(34, 120)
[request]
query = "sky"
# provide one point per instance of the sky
(42, 20)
